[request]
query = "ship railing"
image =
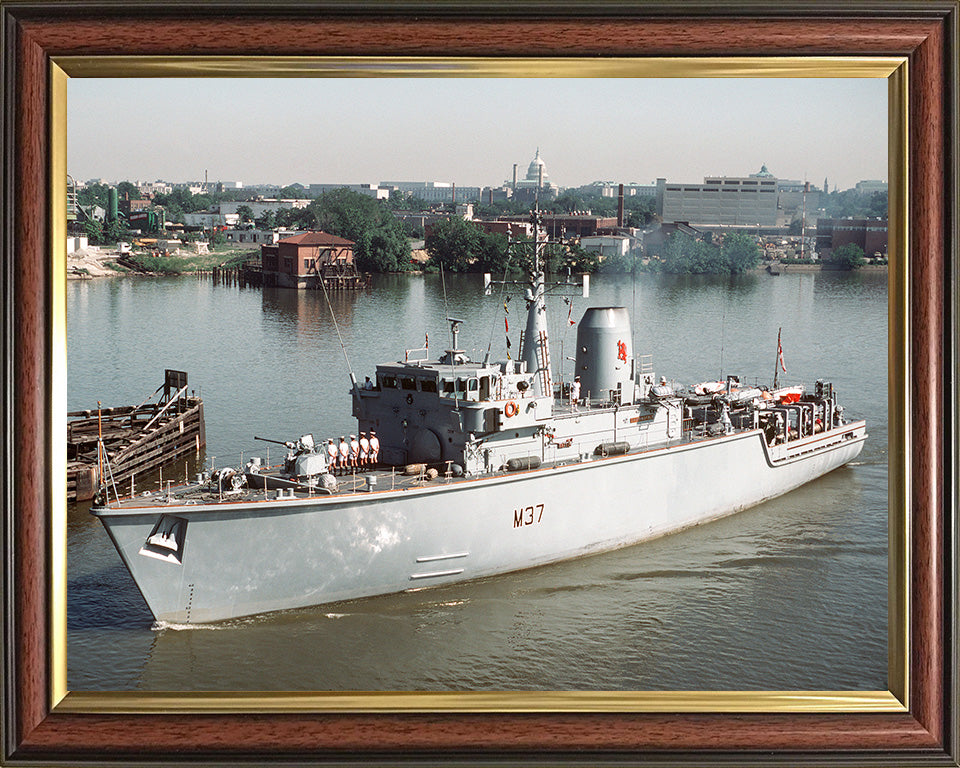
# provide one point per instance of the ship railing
(422, 353)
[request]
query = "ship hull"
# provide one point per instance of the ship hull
(234, 560)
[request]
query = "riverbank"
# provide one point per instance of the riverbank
(94, 261)
(102, 262)
(823, 268)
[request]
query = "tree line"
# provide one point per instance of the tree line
(457, 245)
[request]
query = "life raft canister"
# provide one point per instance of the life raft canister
(510, 409)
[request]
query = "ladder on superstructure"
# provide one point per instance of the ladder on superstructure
(543, 363)
(646, 365)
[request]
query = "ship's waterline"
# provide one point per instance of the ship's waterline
(465, 605)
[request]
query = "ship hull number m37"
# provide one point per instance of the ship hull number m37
(527, 515)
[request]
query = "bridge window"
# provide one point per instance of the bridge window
(408, 382)
(388, 382)
(428, 385)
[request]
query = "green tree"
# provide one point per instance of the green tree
(399, 201)
(126, 190)
(453, 244)
(579, 261)
(266, 220)
(199, 203)
(685, 254)
(113, 232)
(94, 230)
(245, 212)
(293, 192)
(568, 202)
(381, 245)
(851, 203)
(619, 263)
(95, 194)
(849, 256)
(878, 207)
(295, 218)
(740, 252)
(639, 210)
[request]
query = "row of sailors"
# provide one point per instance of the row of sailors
(353, 454)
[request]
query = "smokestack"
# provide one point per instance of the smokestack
(514, 177)
(806, 186)
(620, 207)
(453, 195)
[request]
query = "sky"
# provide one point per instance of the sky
(471, 131)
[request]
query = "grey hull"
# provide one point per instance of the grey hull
(204, 563)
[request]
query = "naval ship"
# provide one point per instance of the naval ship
(483, 468)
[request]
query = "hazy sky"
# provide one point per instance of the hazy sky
(471, 131)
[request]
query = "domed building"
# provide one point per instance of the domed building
(535, 181)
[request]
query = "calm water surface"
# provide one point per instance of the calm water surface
(788, 595)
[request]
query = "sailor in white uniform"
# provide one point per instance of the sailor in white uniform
(354, 451)
(331, 456)
(344, 448)
(374, 448)
(364, 449)
(575, 392)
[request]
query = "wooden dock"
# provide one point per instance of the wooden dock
(137, 439)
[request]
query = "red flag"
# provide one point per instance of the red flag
(780, 354)
(426, 339)
(506, 325)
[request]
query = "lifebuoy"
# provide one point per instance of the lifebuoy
(510, 409)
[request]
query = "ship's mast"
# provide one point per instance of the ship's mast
(535, 350)
(535, 340)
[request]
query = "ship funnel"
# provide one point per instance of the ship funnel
(605, 355)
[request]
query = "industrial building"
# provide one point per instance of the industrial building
(370, 190)
(757, 200)
(870, 186)
(434, 191)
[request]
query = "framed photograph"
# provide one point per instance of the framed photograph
(48, 718)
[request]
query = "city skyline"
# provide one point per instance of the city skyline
(470, 131)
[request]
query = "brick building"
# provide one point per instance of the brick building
(302, 260)
(870, 234)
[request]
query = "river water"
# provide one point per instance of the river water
(789, 595)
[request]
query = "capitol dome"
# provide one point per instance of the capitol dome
(533, 170)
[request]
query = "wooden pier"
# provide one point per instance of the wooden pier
(137, 439)
(332, 277)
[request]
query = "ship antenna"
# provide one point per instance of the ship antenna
(723, 323)
(503, 288)
(353, 379)
(443, 283)
(778, 362)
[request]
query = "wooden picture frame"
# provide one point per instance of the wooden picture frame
(38, 728)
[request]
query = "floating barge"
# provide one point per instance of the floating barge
(136, 439)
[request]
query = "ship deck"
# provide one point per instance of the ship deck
(385, 478)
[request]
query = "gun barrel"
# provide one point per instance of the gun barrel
(268, 440)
